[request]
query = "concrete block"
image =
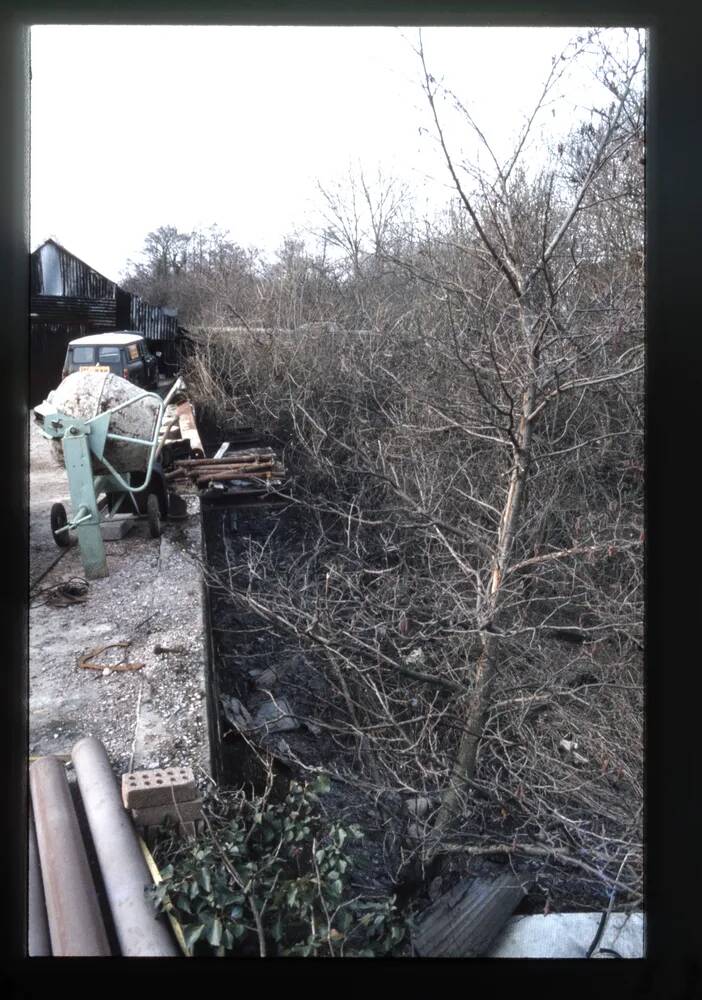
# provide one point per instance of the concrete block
(180, 812)
(117, 527)
(158, 786)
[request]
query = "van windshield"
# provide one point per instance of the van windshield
(83, 355)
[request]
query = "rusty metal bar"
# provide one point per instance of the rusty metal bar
(218, 477)
(124, 870)
(76, 926)
(38, 943)
(234, 459)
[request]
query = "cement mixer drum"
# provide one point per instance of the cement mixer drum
(87, 394)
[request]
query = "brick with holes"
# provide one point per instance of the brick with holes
(159, 786)
(183, 812)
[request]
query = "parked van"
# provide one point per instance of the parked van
(124, 353)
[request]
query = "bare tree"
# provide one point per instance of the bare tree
(528, 352)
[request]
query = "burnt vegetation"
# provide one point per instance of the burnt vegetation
(460, 406)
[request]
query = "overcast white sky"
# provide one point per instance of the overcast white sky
(138, 127)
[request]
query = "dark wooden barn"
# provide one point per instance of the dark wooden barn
(70, 299)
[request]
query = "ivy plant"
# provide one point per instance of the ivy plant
(273, 878)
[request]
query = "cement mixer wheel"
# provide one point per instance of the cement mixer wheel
(153, 514)
(58, 520)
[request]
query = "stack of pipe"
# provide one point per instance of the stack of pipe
(255, 464)
(73, 914)
(76, 926)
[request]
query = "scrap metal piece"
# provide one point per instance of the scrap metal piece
(86, 663)
(464, 922)
(63, 594)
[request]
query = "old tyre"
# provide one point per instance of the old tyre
(58, 520)
(153, 514)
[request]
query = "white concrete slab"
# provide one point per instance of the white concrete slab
(569, 935)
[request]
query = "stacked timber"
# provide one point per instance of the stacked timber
(248, 467)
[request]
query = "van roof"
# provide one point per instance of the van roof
(120, 337)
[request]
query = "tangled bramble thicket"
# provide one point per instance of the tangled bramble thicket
(460, 403)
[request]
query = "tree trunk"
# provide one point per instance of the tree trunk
(463, 770)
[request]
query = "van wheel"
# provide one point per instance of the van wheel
(59, 520)
(153, 514)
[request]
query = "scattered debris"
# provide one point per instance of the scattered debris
(160, 650)
(63, 594)
(86, 662)
(569, 747)
(235, 713)
(415, 657)
(264, 680)
(275, 716)
(418, 806)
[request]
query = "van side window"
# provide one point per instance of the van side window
(133, 352)
(110, 355)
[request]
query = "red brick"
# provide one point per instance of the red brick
(158, 787)
(181, 812)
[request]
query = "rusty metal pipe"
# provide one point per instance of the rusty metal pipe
(124, 871)
(76, 927)
(38, 943)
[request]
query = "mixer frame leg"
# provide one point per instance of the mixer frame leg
(82, 485)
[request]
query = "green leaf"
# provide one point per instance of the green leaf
(321, 784)
(183, 903)
(204, 879)
(214, 932)
(192, 933)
